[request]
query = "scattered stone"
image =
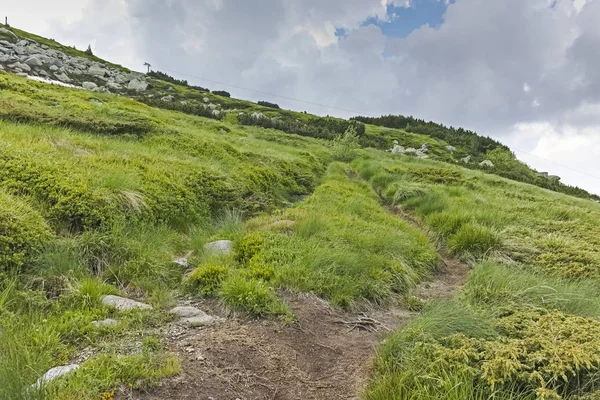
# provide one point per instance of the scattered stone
(216, 113)
(421, 154)
(466, 160)
(450, 148)
(123, 304)
(21, 66)
(486, 163)
(410, 150)
(53, 68)
(20, 50)
(219, 247)
(206, 100)
(105, 322)
(257, 115)
(22, 43)
(34, 62)
(182, 262)
(168, 99)
(114, 86)
(424, 148)
(54, 373)
(212, 106)
(192, 316)
(22, 74)
(137, 85)
(96, 102)
(89, 86)
(397, 149)
(554, 178)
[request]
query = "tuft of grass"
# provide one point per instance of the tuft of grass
(252, 296)
(474, 240)
(206, 280)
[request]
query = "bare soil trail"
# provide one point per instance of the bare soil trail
(327, 354)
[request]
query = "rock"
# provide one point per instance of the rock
(212, 106)
(137, 85)
(554, 178)
(486, 163)
(105, 322)
(193, 316)
(257, 115)
(20, 50)
(97, 70)
(96, 102)
(206, 100)
(34, 62)
(89, 85)
(114, 86)
(410, 150)
(44, 73)
(1, 67)
(22, 43)
(45, 47)
(216, 113)
(123, 304)
(53, 68)
(54, 373)
(466, 160)
(4, 58)
(219, 247)
(77, 71)
(62, 77)
(168, 99)
(424, 148)
(397, 149)
(4, 50)
(543, 175)
(6, 33)
(450, 148)
(21, 66)
(182, 262)
(22, 74)
(421, 154)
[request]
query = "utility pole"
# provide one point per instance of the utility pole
(6, 21)
(148, 65)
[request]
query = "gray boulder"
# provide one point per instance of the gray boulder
(53, 68)
(397, 149)
(123, 304)
(105, 322)
(22, 42)
(466, 160)
(89, 85)
(192, 316)
(219, 247)
(62, 77)
(96, 70)
(54, 373)
(5, 50)
(33, 61)
(137, 85)
(21, 66)
(206, 100)
(6, 33)
(168, 99)
(486, 163)
(20, 50)
(114, 86)
(216, 113)
(182, 262)
(212, 106)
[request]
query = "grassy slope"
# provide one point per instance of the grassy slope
(525, 326)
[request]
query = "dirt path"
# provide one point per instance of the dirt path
(322, 356)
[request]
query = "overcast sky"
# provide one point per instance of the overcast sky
(526, 72)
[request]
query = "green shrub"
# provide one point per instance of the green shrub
(250, 245)
(473, 239)
(252, 296)
(23, 233)
(343, 147)
(206, 280)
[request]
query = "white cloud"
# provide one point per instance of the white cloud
(526, 88)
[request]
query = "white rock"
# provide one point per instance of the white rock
(182, 262)
(105, 322)
(89, 85)
(466, 160)
(206, 100)
(257, 115)
(212, 106)
(486, 163)
(450, 148)
(114, 86)
(22, 74)
(53, 68)
(20, 50)
(168, 99)
(22, 42)
(54, 373)
(34, 62)
(122, 303)
(96, 102)
(216, 113)
(219, 247)
(397, 149)
(21, 66)
(137, 85)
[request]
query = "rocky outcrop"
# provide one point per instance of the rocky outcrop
(219, 247)
(486, 163)
(124, 304)
(26, 56)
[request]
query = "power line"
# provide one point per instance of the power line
(347, 110)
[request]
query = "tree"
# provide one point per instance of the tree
(89, 51)
(344, 146)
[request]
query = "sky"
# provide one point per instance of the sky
(524, 72)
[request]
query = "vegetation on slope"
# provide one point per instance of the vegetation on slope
(525, 326)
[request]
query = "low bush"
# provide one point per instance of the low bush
(221, 93)
(252, 296)
(268, 104)
(206, 280)
(473, 239)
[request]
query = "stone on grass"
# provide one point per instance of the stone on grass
(450, 148)
(466, 160)
(5, 32)
(192, 316)
(182, 262)
(486, 163)
(54, 373)
(168, 99)
(137, 85)
(62, 77)
(123, 304)
(97, 70)
(89, 85)
(219, 247)
(96, 102)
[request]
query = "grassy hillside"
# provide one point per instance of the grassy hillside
(100, 193)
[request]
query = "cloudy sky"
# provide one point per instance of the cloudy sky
(525, 72)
